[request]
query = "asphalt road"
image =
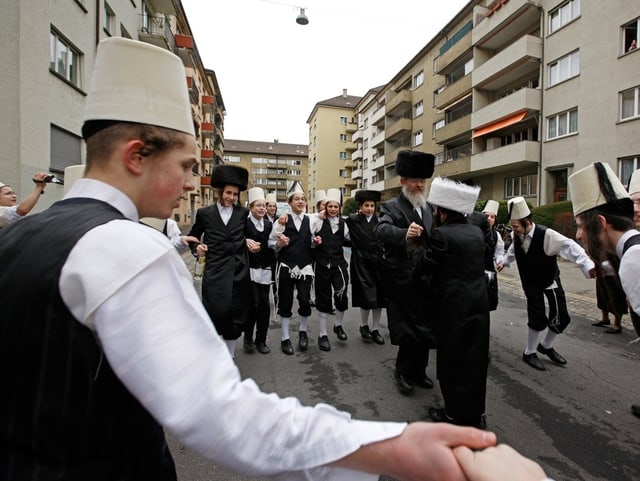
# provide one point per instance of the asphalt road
(574, 420)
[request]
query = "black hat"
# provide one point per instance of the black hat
(364, 195)
(414, 164)
(230, 175)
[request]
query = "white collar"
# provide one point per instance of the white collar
(96, 189)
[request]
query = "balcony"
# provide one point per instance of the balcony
(454, 129)
(207, 129)
(194, 92)
(356, 174)
(205, 180)
(350, 146)
(351, 127)
(522, 100)
(208, 103)
(453, 53)
(156, 30)
(206, 154)
(184, 50)
(357, 136)
(391, 154)
(520, 59)
(377, 117)
(453, 93)
(521, 155)
(398, 128)
(398, 101)
(357, 154)
(453, 168)
(502, 21)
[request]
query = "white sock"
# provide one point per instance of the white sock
(304, 322)
(375, 318)
(532, 341)
(322, 324)
(549, 337)
(231, 345)
(364, 317)
(339, 318)
(284, 321)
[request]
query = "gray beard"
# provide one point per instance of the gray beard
(416, 200)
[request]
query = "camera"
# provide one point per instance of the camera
(53, 179)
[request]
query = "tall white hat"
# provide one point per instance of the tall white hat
(491, 207)
(295, 189)
(453, 195)
(321, 195)
(71, 174)
(137, 82)
(518, 208)
(597, 185)
(255, 193)
(271, 198)
(634, 183)
(334, 195)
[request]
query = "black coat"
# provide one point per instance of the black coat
(226, 284)
(405, 297)
(365, 265)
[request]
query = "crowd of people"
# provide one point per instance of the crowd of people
(105, 346)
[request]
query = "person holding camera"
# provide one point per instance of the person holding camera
(10, 210)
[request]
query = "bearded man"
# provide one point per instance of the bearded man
(407, 218)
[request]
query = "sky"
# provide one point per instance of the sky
(272, 71)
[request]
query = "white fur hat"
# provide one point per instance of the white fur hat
(334, 195)
(453, 195)
(256, 193)
(634, 183)
(491, 207)
(71, 174)
(321, 195)
(271, 198)
(594, 186)
(137, 82)
(518, 208)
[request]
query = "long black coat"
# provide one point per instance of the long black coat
(226, 284)
(453, 265)
(405, 297)
(365, 265)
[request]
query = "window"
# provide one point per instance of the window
(65, 149)
(626, 167)
(343, 137)
(109, 19)
(524, 185)
(232, 158)
(64, 59)
(630, 37)
(564, 68)
(417, 138)
(560, 125)
(630, 103)
(259, 160)
(418, 109)
(343, 120)
(343, 173)
(418, 79)
(343, 156)
(438, 125)
(564, 14)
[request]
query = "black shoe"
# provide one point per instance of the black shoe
(323, 343)
(338, 331)
(635, 409)
(613, 330)
(286, 347)
(262, 348)
(601, 323)
(365, 333)
(303, 341)
(404, 384)
(423, 382)
(533, 361)
(439, 415)
(377, 337)
(332, 311)
(248, 345)
(552, 354)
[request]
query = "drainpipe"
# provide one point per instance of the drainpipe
(541, 115)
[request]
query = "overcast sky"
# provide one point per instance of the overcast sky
(272, 71)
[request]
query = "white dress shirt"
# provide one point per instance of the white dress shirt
(628, 272)
(225, 212)
(142, 305)
(8, 215)
(260, 275)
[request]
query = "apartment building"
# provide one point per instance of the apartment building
(332, 123)
(514, 96)
(273, 166)
(43, 87)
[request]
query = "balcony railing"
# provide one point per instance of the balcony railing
(157, 27)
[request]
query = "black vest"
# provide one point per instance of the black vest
(330, 251)
(632, 241)
(64, 415)
(298, 252)
(537, 270)
(265, 257)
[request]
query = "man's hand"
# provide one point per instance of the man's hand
(283, 219)
(188, 239)
(501, 463)
(201, 250)
(283, 240)
(253, 246)
(414, 231)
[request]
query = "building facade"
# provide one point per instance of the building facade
(47, 74)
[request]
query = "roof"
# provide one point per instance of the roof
(273, 148)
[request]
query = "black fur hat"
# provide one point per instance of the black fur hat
(414, 164)
(230, 175)
(364, 195)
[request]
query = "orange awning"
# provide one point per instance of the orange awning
(499, 125)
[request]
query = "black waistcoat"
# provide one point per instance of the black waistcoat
(64, 415)
(330, 251)
(298, 252)
(632, 241)
(537, 270)
(265, 257)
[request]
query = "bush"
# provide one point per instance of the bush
(350, 206)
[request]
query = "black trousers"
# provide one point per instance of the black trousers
(557, 319)
(332, 280)
(260, 313)
(412, 360)
(286, 286)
